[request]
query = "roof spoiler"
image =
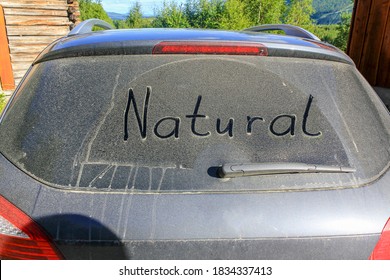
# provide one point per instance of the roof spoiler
(87, 26)
(290, 30)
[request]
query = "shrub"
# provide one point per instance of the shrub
(2, 101)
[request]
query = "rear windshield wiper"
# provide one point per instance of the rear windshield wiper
(232, 170)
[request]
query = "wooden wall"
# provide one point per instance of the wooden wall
(33, 24)
(369, 42)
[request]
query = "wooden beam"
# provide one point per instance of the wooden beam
(32, 21)
(48, 6)
(16, 48)
(52, 5)
(351, 27)
(358, 30)
(25, 49)
(31, 40)
(37, 30)
(35, 12)
(35, 2)
(383, 79)
(21, 66)
(375, 34)
(6, 73)
(15, 58)
(17, 81)
(20, 74)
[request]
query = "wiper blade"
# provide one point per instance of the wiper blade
(232, 170)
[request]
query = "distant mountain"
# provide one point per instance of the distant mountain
(329, 12)
(117, 16)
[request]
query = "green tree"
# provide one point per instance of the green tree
(135, 20)
(93, 9)
(234, 16)
(204, 13)
(326, 32)
(299, 13)
(264, 11)
(171, 15)
(120, 24)
(342, 37)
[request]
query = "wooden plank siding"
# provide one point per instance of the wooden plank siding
(369, 44)
(31, 25)
(384, 63)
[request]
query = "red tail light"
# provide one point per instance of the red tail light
(382, 248)
(21, 238)
(197, 47)
(322, 45)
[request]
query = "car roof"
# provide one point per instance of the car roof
(142, 41)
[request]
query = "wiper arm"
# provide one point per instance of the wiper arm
(232, 170)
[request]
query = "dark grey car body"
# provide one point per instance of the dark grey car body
(114, 150)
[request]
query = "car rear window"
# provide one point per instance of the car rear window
(166, 123)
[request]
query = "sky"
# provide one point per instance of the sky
(123, 6)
